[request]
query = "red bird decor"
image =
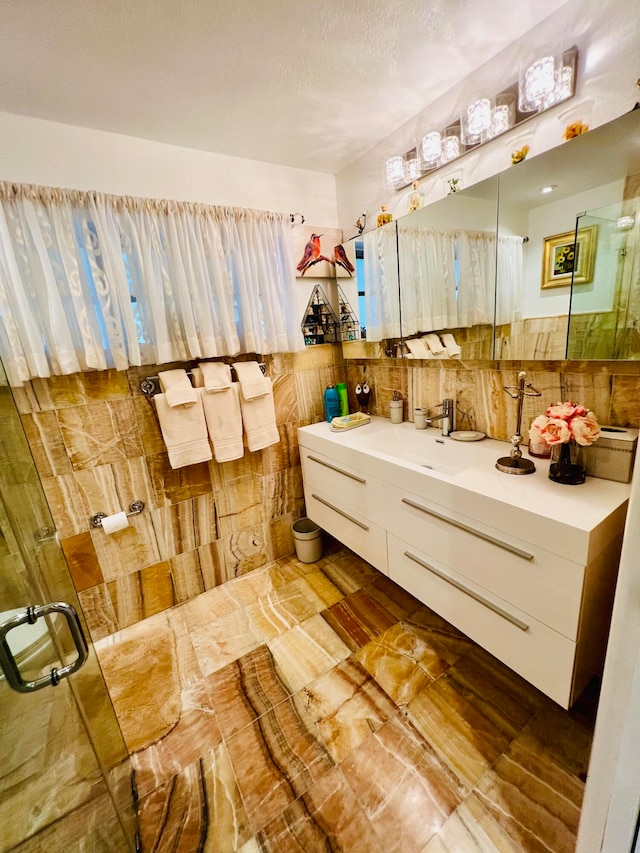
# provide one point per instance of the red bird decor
(311, 255)
(341, 259)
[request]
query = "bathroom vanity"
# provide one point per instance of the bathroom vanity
(524, 566)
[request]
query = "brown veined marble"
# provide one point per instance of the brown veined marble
(347, 705)
(471, 829)
(358, 618)
(142, 677)
(99, 433)
(82, 560)
(307, 651)
(405, 791)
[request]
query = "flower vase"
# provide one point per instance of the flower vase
(568, 464)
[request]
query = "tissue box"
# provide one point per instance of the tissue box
(613, 454)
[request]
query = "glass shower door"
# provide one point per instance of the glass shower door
(65, 775)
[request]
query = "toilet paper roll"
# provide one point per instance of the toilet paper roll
(113, 523)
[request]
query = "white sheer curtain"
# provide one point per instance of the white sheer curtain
(95, 281)
(510, 280)
(382, 294)
(448, 278)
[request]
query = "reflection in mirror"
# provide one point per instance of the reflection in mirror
(380, 274)
(447, 256)
(605, 311)
(587, 172)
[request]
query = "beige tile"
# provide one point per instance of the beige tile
(284, 395)
(282, 492)
(175, 485)
(187, 575)
(45, 441)
(212, 564)
(127, 550)
(98, 611)
(245, 550)
(307, 651)
(99, 433)
(82, 560)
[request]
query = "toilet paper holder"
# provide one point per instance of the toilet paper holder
(134, 509)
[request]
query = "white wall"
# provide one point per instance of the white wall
(607, 34)
(45, 152)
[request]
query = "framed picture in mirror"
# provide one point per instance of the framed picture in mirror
(565, 256)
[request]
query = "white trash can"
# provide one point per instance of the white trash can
(307, 538)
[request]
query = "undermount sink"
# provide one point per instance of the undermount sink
(428, 449)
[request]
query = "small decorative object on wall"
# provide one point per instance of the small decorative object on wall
(563, 254)
(576, 128)
(454, 185)
(384, 216)
(566, 429)
(320, 324)
(344, 259)
(416, 198)
(363, 393)
(313, 247)
(519, 155)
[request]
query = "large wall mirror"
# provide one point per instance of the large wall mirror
(497, 265)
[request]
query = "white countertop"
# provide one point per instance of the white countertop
(393, 452)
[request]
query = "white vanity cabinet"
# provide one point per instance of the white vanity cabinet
(523, 566)
(347, 502)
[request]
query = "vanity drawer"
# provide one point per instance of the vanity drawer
(356, 491)
(348, 526)
(541, 655)
(540, 583)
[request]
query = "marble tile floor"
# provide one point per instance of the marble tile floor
(319, 707)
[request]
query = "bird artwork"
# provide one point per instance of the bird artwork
(341, 259)
(312, 255)
(363, 393)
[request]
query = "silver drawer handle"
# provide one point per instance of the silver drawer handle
(445, 577)
(335, 468)
(31, 615)
(479, 533)
(340, 512)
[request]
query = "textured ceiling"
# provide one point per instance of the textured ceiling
(312, 85)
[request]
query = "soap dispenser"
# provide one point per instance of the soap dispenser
(395, 408)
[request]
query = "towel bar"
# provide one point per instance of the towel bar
(150, 385)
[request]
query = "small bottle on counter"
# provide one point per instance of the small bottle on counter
(331, 403)
(395, 408)
(344, 398)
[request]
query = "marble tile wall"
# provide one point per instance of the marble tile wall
(610, 389)
(97, 446)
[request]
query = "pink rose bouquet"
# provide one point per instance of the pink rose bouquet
(565, 423)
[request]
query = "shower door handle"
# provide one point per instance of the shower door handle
(29, 617)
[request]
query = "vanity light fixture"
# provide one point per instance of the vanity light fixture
(394, 172)
(451, 147)
(476, 121)
(412, 166)
(430, 150)
(547, 81)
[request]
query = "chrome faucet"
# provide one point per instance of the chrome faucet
(446, 417)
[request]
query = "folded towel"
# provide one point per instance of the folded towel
(184, 430)
(418, 348)
(259, 419)
(252, 381)
(224, 421)
(213, 376)
(452, 348)
(177, 389)
(433, 342)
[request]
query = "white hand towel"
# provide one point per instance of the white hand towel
(184, 431)
(418, 348)
(213, 376)
(452, 348)
(252, 381)
(177, 388)
(224, 421)
(259, 418)
(434, 343)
